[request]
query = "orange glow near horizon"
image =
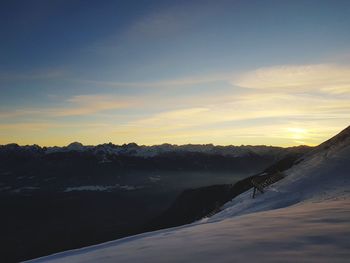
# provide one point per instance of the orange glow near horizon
(281, 106)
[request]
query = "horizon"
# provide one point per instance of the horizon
(172, 144)
(186, 72)
(165, 143)
(151, 145)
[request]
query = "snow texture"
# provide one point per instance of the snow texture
(303, 233)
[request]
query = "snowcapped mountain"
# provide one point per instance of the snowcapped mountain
(301, 218)
(132, 149)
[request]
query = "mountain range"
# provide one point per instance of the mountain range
(304, 217)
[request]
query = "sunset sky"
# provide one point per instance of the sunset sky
(151, 72)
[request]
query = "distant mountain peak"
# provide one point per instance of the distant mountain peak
(76, 146)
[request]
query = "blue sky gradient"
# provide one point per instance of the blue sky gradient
(121, 71)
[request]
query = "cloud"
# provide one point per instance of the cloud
(90, 104)
(17, 113)
(248, 118)
(33, 75)
(81, 105)
(170, 83)
(304, 108)
(324, 78)
(248, 106)
(170, 120)
(327, 78)
(163, 24)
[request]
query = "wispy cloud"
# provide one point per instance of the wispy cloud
(90, 104)
(284, 100)
(74, 106)
(17, 113)
(325, 78)
(284, 105)
(329, 78)
(165, 23)
(170, 83)
(33, 75)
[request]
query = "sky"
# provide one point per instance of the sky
(151, 72)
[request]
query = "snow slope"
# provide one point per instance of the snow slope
(302, 218)
(303, 233)
(323, 174)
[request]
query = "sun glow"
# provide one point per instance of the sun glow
(297, 133)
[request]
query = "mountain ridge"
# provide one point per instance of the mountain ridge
(303, 217)
(134, 149)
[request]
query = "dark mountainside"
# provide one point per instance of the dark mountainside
(194, 204)
(55, 199)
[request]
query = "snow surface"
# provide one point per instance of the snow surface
(302, 218)
(322, 175)
(310, 232)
